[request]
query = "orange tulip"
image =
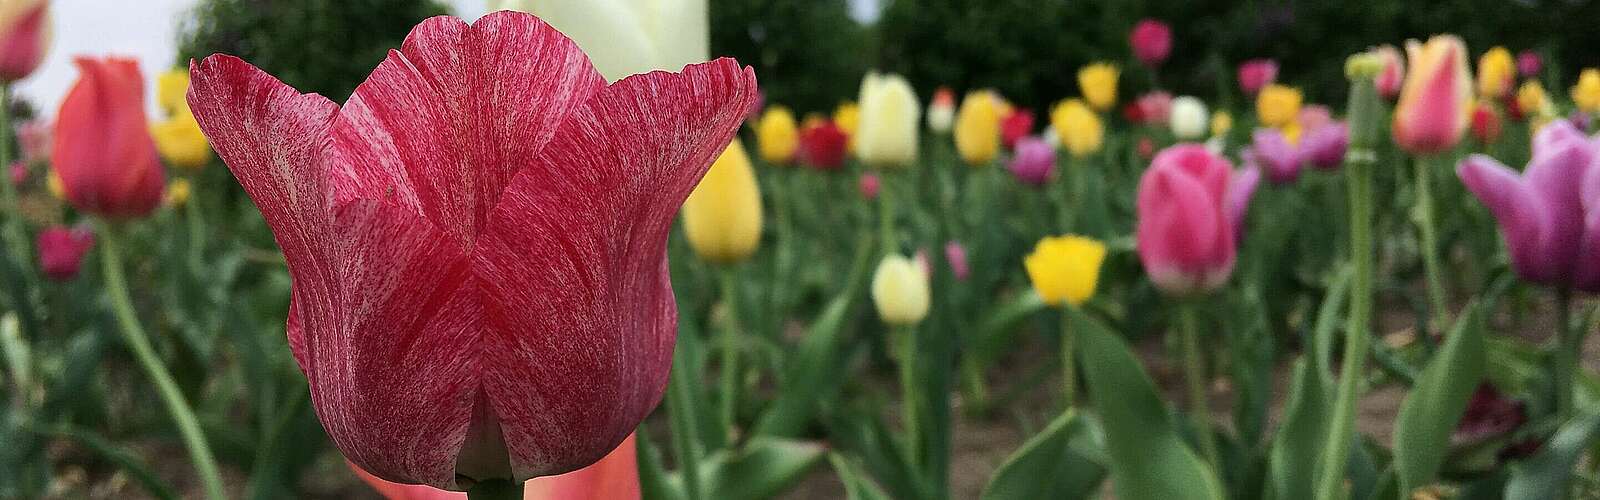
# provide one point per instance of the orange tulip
(615, 477)
(1433, 112)
(102, 150)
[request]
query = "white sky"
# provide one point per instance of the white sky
(147, 30)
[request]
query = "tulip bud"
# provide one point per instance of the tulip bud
(977, 131)
(777, 137)
(900, 291)
(1221, 123)
(1016, 125)
(1078, 128)
(956, 256)
(1098, 84)
(822, 145)
(888, 133)
(1151, 41)
(1433, 112)
(1189, 118)
(1531, 99)
(722, 217)
(1496, 73)
(24, 36)
(1529, 64)
(1586, 94)
(61, 251)
(869, 186)
(1065, 269)
(1155, 108)
(1393, 74)
(1277, 105)
(1485, 124)
(178, 192)
(1363, 65)
(942, 111)
(848, 117)
(1032, 162)
(1189, 205)
(1256, 74)
(1324, 147)
(102, 148)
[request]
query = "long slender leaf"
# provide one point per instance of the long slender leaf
(1047, 466)
(1549, 473)
(1292, 459)
(857, 485)
(762, 469)
(1430, 412)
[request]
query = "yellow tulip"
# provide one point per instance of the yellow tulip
(53, 184)
(178, 192)
(1531, 99)
(1586, 94)
(777, 138)
(900, 291)
(625, 37)
(1065, 269)
(722, 217)
(172, 91)
(890, 120)
(1496, 71)
(1098, 84)
(848, 117)
(1278, 106)
(977, 131)
(1221, 123)
(180, 142)
(1078, 127)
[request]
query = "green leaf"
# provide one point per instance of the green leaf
(17, 356)
(1436, 403)
(857, 485)
(763, 468)
(1298, 445)
(654, 481)
(1047, 466)
(996, 335)
(122, 458)
(1549, 473)
(1148, 459)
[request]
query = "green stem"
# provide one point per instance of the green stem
(729, 337)
(196, 223)
(15, 239)
(1566, 354)
(496, 489)
(886, 215)
(134, 335)
(1428, 233)
(1336, 450)
(680, 414)
(1069, 368)
(910, 392)
(1068, 194)
(1194, 368)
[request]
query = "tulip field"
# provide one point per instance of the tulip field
(569, 250)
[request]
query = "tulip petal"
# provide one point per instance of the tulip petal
(1237, 203)
(579, 298)
(444, 123)
(1551, 136)
(1179, 230)
(398, 368)
(1524, 220)
(270, 136)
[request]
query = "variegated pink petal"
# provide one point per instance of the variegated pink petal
(1524, 219)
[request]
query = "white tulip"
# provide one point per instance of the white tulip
(1189, 118)
(626, 37)
(887, 135)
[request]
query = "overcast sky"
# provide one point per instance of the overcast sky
(146, 29)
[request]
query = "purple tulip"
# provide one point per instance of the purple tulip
(1529, 64)
(1033, 161)
(1550, 222)
(1237, 201)
(1190, 203)
(1257, 73)
(1271, 150)
(1325, 146)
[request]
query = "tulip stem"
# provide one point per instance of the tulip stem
(495, 489)
(886, 215)
(1330, 480)
(197, 244)
(134, 335)
(1429, 242)
(685, 425)
(1069, 365)
(1194, 367)
(1566, 353)
(729, 336)
(15, 239)
(910, 395)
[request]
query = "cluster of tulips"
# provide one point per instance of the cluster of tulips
(477, 295)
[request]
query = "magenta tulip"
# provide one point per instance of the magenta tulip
(1529, 64)
(61, 251)
(1152, 42)
(1548, 218)
(1324, 147)
(476, 240)
(1271, 150)
(1257, 73)
(956, 256)
(869, 186)
(1190, 204)
(1033, 161)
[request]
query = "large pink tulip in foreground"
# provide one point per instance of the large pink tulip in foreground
(477, 240)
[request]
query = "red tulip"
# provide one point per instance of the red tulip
(1190, 203)
(477, 240)
(61, 251)
(1152, 42)
(24, 35)
(823, 145)
(1257, 73)
(102, 149)
(1016, 125)
(869, 186)
(1485, 124)
(615, 477)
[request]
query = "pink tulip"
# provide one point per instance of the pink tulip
(19, 173)
(24, 35)
(615, 477)
(1152, 42)
(1033, 161)
(1155, 107)
(61, 251)
(1393, 74)
(1271, 150)
(101, 147)
(869, 186)
(476, 240)
(1529, 64)
(1549, 220)
(1190, 205)
(956, 256)
(1324, 147)
(1314, 117)
(1431, 116)
(1257, 73)
(1237, 203)
(34, 138)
